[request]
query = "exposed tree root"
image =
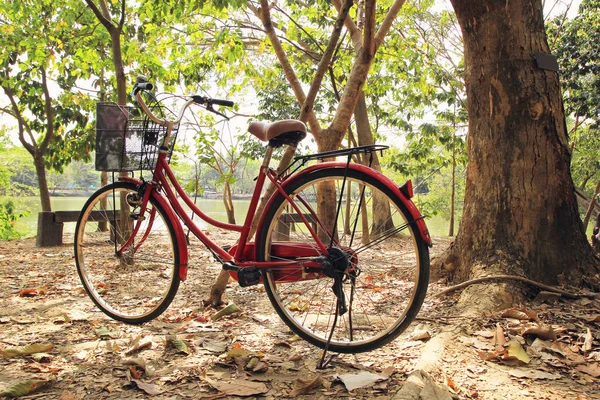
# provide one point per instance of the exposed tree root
(216, 292)
(516, 278)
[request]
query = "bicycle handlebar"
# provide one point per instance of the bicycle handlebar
(206, 101)
(217, 102)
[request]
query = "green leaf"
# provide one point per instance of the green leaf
(104, 333)
(230, 309)
(25, 350)
(178, 344)
(23, 388)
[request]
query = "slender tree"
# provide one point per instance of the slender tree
(34, 63)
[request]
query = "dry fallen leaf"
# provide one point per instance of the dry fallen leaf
(302, 386)
(28, 293)
(592, 369)
(215, 346)
(533, 374)
(515, 351)
(420, 335)
(137, 345)
(492, 355)
(592, 318)
(239, 387)
(104, 333)
(499, 339)
(239, 352)
(362, 379)
(66, 395)
(452, 385)
(541, 332)
(485, 334)
(589, 340)
(564, 351)
(520, 313)
(149, 388)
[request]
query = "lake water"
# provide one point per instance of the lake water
(213, 207)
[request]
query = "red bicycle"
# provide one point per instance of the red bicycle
(341, 250)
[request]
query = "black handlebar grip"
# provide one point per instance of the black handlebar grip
(144, 86)
(226, 103)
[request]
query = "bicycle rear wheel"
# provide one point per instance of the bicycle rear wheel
(138, 284)
(387, 275)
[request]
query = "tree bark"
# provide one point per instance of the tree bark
(227, 201)
(520, 213)
(40, 169)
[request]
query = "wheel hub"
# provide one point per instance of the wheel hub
(336, 263)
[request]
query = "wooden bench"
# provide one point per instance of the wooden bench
(284, 223)
(50, 225)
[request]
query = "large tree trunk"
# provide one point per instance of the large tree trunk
(520, 213)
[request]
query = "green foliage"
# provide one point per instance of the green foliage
(576, 43)
(577, 47)
(8, 219)
(585, 162)
(16, 166)
(437, 200)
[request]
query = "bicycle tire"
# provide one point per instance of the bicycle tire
(385, 300)
(140, 284)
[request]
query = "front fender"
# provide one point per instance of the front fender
(179, 235)
(393, 187)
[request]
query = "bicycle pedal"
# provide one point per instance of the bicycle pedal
(249, 276)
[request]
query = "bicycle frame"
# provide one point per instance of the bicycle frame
(242, 254)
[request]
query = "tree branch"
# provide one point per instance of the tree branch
(355, 33)
(122, 20)
(307, 107)
(369, 30)
(30, 147)
(104, 21)
(387, 22)
(49, 114)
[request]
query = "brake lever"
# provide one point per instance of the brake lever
(210, 108)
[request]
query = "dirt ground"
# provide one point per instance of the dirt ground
(548, 348)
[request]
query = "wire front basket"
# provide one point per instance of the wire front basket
(126, 140)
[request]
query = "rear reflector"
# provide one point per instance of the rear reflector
(407, 189)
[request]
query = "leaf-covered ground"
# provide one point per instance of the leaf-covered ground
(55, 344)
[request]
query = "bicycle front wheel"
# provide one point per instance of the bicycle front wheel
(131, 279)
(387, 271)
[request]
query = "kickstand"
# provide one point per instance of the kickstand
(324, 363)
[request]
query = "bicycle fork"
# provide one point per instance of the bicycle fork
(133, 200)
